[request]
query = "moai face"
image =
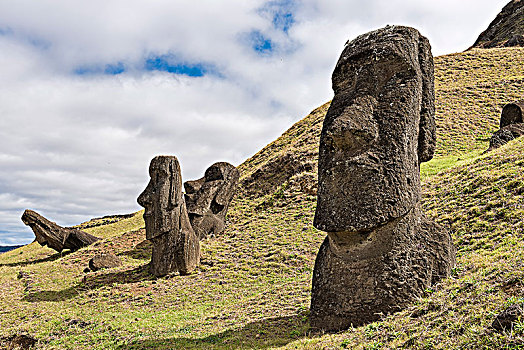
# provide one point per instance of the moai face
(378, 129)
(29, 218)
(162, 197)
(208, 198)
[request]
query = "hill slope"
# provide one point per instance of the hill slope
(253, 287)
(507, 29)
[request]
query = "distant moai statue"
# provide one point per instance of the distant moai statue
(381, 251)
(511, 125)
(175, 245)
(208, 198)
(56, 237)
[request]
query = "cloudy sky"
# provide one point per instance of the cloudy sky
(91, 90)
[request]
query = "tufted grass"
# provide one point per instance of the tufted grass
(252, 290)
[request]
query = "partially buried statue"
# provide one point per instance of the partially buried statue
(381, 251)
(50, 234)
(511, 125)
(175, 245)
(208, 198)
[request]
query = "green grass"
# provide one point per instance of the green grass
(252, 290)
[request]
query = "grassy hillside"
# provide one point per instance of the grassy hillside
(252, 289)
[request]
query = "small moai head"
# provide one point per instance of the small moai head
(512, 113)
(379, 128)
(162, 197)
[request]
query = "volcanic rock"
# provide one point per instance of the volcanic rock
(506, 30)
(208, 198)
(507, 318)
(511, 125)
(21, 342)
(512, 113)
(175, 244)
(381, 252)
(54, 236)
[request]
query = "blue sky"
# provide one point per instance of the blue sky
(91, 91)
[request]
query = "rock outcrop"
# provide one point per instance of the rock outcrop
(511, 125)
(506, 30)
(54, 236)
(175, 245)
(512, 113)
(208, 199)
(505, 320)
(381, 251)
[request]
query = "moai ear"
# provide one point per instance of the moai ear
(175, 184)
(427, 138)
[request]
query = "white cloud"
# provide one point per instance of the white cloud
(78, 146)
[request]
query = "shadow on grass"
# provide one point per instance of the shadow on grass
(93, 281)
(267, 333)
(31, 262)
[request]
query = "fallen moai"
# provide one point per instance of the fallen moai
(381, 251)
(175, 245)
(208, 198)
(511, 125)
(54, 236)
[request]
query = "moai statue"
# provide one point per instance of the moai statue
(511, 125)
(56, 237)
(208, 198)
(380, 251)
(175, 245)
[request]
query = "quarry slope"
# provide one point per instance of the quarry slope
(507, 29)
(252, 289)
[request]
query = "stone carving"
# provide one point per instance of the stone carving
(175, 245)
(511, 125)
(54, 236)
(380, 251)
(208, 198)
(512, 114)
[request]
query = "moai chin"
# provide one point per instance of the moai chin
(208, 198)
(175, 245)
(380, 251)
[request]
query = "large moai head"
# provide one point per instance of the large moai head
(175, 245)
(379, 128)
(381, 251)
(162, 198)
(208, 198)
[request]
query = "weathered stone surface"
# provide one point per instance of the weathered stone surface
(507, 318)
(381, 251)
(512, 114)
(511, 125)
(21, 342)
(104, 261)
(54, 236)
(507, 28)
(175, 245)
(505, 135)
(208, 198)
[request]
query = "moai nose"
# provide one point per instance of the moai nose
(354, 131)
